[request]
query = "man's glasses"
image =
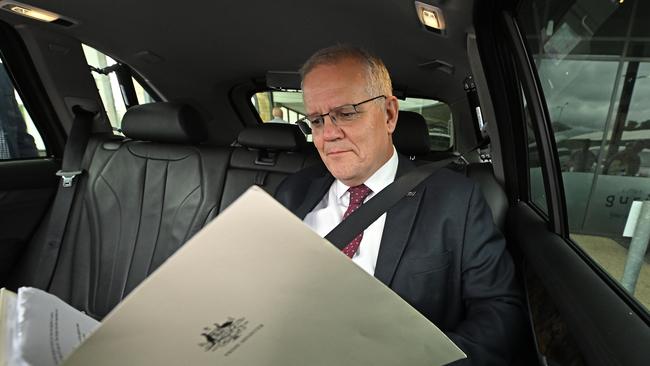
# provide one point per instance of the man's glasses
(341, 116)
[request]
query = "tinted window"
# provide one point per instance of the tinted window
(19, 138)
(593, 62)
(537, 191)
(287, 107)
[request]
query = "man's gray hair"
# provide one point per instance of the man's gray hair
(377, 76)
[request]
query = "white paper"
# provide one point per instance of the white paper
(632, 219)
(8, 325)
(257, 287)
(48, 329)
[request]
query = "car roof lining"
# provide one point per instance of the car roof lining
(196, 51)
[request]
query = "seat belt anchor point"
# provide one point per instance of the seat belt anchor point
(67, 178)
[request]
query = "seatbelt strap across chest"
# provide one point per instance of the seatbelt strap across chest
(388, 197)
(370, 211)
(69, 173)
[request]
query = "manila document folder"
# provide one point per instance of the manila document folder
(258, 287)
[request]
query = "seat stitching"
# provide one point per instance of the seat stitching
(137, 235)
(162, 209)
(202, 198)
(178, 209)
(96, 268)
(117, 200)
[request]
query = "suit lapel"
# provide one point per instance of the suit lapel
(315, 193)
(399, 224)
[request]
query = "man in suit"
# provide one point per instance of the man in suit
(437, 248)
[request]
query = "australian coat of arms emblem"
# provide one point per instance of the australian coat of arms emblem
(220, 335)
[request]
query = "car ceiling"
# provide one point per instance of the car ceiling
(202, 47)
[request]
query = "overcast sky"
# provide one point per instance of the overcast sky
(579, 92)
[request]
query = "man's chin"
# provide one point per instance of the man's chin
(344, 175)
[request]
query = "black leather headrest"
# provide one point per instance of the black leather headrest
(164, 122)
(273, 136)
(411, 135)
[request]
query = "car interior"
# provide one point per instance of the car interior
(112, 195)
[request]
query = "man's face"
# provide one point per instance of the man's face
(352, 153)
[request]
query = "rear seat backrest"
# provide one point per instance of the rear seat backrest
(140, 201)
(144, 197)
(266, 155)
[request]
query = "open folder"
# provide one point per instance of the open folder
(258, 287)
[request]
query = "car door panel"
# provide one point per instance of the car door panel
(601, 323)
(604, 325)
(27, 188)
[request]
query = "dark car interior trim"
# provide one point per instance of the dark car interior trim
(543, 133)
(601, 328)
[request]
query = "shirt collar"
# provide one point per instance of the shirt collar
(378, 181)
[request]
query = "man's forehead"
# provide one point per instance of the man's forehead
(331, 85)
(325, 99)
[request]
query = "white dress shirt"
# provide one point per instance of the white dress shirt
(329, 212)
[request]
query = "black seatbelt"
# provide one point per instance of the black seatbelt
(69, 173)
(370, 211)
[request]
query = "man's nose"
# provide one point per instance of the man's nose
(330, 130)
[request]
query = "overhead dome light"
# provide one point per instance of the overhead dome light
(430, 16)
(30, 11)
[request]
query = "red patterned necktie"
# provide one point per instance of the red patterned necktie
(357, 195)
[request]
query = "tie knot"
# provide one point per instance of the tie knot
(358, 194)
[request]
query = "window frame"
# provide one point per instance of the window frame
(120, 66)
(255, 91)
(540, 118)
(549, 161)
(603, 330)
(23, 74)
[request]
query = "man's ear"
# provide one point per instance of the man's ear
(392, 110)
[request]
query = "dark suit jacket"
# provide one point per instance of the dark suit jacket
(441, 252)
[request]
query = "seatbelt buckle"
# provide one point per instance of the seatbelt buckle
(67, 178)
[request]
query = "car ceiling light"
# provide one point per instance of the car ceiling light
(430, 16)
(30, 11)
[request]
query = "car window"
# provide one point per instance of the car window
(19, 138)
(288, 108)
(594, 68)
(287, 105)
(109, 87)
(537, 191)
